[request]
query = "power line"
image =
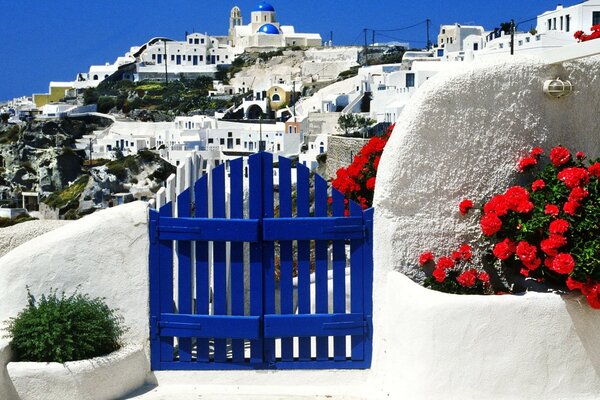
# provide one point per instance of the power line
(399, 29)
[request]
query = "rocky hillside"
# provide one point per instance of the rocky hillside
(42, 157)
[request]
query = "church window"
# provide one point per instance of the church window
(196, 41)
(190, 41)
(202, 41)
(276, 97)
(95, 77)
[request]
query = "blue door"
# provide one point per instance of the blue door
(274, 276)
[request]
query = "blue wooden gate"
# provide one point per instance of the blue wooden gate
(232, 276)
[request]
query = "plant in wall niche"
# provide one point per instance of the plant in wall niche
(64, 328)
(550, 230)
(455, 273)
(357, 181)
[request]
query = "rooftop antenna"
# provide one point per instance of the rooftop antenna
(366, 48)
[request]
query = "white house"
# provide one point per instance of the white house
(554, 29)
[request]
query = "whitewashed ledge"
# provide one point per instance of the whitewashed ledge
(432, 345)
(100, 378)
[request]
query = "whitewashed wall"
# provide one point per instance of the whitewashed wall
(104, 255)
(461, 137)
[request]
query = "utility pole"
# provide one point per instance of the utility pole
(373, 38)
(91, 150)
(428, 21)
(166, 71)
(512, 37)
(366, 48)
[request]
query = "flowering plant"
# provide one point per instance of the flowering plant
(550, 230)
(357, 181)
(452, 274)
(583, 37)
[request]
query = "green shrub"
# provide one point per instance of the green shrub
(64, 328)
(69, 196)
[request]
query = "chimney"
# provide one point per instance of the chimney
(559, 7)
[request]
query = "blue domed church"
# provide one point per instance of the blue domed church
(264, 33)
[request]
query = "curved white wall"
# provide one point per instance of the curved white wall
(104, 255)
(461, 137)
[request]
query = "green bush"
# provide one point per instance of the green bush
(64, 328)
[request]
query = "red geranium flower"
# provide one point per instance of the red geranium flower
(504, 249)
(465, 252)
(467, 278)
(439, 274)
(594, 169)
(371, 183)
(571, 207)
(551, 209)
(464, 206)
(537, 185)
(580, 155)
(558, 226)
(574, 177)
(526, 162)
(484, 277)
(536, 152)
(578, 194)
(445, 263)
(572, 284)
(560, 156)
(593, 296)
(551, 245)
(490, 224)
(425, 258)
(563, 264)
(526, 252)
(497, 205)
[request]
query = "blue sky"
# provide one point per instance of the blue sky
(55, 39)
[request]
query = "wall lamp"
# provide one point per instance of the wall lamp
(557, 88)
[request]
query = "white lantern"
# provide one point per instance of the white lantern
(556, 88)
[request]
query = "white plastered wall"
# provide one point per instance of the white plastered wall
(104, 255)
(460, 137)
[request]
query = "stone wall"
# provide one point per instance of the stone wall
(340, 153)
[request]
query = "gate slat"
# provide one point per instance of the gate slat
(321, 294)
(202, 268)
(256, 273)
(303, 210)
(368, 285)
(268, 251)
(184, 255)
(236, 210)
(286, 289)
(219, 259)
(339, 277)
(166, 290)
(356, 284)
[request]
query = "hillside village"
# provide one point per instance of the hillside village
(117, 131)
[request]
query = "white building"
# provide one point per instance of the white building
(554, 29)
(265, 32)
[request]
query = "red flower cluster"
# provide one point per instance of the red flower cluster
(357, 181)
(515, 199)
(582, 37)
(530, 160)
(537, 231)
(464, 206)
(449, 270)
